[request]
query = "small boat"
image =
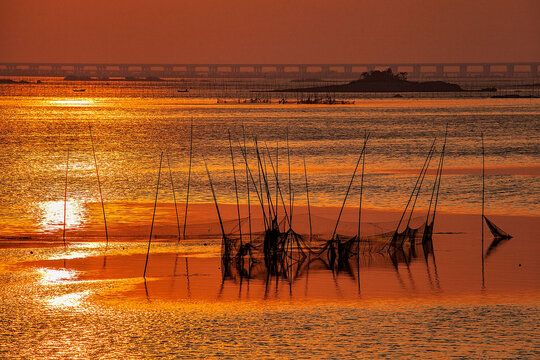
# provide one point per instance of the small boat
(186, 90)
(79, 90)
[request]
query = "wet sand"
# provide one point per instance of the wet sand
(192, 268)
(91, 299)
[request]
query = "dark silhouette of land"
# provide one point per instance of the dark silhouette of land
(10, 81)
(382, 81)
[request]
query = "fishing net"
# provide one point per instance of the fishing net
(286, 244)
(496, 231)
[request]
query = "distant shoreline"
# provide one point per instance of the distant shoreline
(360, 86)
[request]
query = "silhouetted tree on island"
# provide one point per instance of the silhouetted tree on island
(385, 75)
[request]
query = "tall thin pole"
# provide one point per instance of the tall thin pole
(431, 149)
(247, 184)
(189, 177)
(279, 190)
(260, 181)
(483, 185)
(360, 215)
(277, 177)
(153, 216)
(99, 184)
(361, 190)
(259, 196)
(265, 180)
(215, 199)
(422, 177)
(235, 188)
(349, 187)
(308, 206)
(65, 198)
(174, 196)
(290, 188)
(267, 183)
(440, 171)
(262, 163)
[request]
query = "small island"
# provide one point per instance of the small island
(10, 81)
(382, 81)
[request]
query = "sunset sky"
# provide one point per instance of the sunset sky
(269, 31)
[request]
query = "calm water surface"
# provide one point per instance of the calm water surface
(90, 301)
(130, 133)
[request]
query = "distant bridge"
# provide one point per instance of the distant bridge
(509, 70)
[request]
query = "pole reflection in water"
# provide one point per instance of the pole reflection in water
(296, 266)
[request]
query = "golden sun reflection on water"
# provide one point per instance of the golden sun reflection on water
(92, 245)
(72, 255)
(72, 102)
(56, 276)
(61, 277)
(79, 251)
(68, 300)
(52, 214)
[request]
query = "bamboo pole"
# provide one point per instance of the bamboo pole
(189, 177)
(361, 191)
(247, 185)
(99, 184)
(279, 189)
(153, 217)
(438, 180)
(308, 206)
(215, 199)
(265, 180)
(259, 196)
(265, 171)
(414, 188)
(277, 176)
(235, 188)
(349, 188)
(65, 198)
(422, 177)
(260, 181)
(483, 199)
(174, 196)
(290, 188)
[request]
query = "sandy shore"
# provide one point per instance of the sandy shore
(192, 269)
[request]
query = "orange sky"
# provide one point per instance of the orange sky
(269, 31)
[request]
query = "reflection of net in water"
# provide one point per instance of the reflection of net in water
(292, 256)
(288, 254)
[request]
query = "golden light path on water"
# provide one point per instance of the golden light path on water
(72, 102)
(68, 300)
(56, 276)
(51, 214)
(60, 277)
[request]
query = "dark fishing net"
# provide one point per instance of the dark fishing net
(496, 231)
(286, 246)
